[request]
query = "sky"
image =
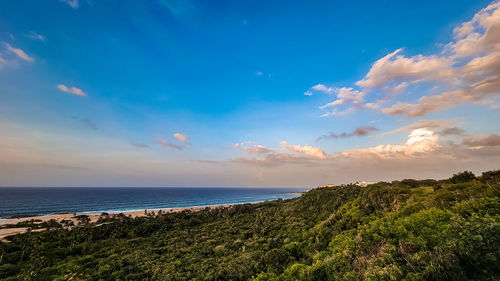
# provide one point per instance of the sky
(246, 93)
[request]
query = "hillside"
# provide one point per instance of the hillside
(409, 229)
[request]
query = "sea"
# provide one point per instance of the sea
(53, 200)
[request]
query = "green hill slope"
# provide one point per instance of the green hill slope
(411, 230)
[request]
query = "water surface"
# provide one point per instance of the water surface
(43, 201)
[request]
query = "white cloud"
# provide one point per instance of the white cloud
(349, 97)
(72, 90)
(20, 53)
(323, 88)
(320, 88)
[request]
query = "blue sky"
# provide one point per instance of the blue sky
(92, 92)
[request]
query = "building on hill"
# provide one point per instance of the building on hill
(327, 185)
(364, 183)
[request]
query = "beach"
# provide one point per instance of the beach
(4, 232)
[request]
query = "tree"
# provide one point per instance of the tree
(464, 176)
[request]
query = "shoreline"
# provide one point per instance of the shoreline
(95, 215)
(24, 217)
(4, 232)
(134, 213)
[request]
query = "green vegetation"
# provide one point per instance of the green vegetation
(404, 230)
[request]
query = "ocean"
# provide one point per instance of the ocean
(45, 201)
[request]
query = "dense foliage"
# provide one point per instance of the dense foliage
(409, 229)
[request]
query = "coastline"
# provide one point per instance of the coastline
(4, 232)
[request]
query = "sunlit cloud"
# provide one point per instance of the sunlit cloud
(312, 151)
(395, 71)
(71, 90)
(467, 70)
(19, 53)
(420, 141)
(180, 137)
(422, 145)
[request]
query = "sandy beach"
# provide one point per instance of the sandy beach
(4, 232)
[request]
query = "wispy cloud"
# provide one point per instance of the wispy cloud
(177, 6)
(428, 124)
(350, 98)
(165, 143)
(72, 3)
(71, 90)
(139, 145)
(359, 132)
(86, 122)
(20, 53)
(161, 139)
(253, 148)
(35, 36)
(89, 124)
